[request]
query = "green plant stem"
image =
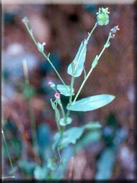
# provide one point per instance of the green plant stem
(73, 78)
(45, 56)
(58, 126)
(72, 85)
(70, 98)
(91, 69)
(6, 145)
(62, 109)
(84, 73)
(64, 116)
(89, 34)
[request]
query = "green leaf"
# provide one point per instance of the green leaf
(65, 90)
(91, 103)
(64, 122)
(71, 135)
(77, 66)
(95, 62)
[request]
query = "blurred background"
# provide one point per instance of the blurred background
(109, 152)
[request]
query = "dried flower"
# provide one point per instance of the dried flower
(103, 16)
(113, 31)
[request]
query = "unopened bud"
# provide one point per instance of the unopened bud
(57, 95)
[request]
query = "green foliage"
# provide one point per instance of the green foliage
(65, 121)
(95, 62)
(91, 103)
(77, 66)
(92, 136)
(65, 90)
(67, 136)
(61, 169)
(71, 135)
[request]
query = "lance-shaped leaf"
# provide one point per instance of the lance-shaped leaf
(65, 90)
(91, 103)
(77, 66)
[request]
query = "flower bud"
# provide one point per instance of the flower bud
(57, 95)
(113, 31)
(51, 84)
(103, 16)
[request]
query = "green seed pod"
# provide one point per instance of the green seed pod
(103, 16)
